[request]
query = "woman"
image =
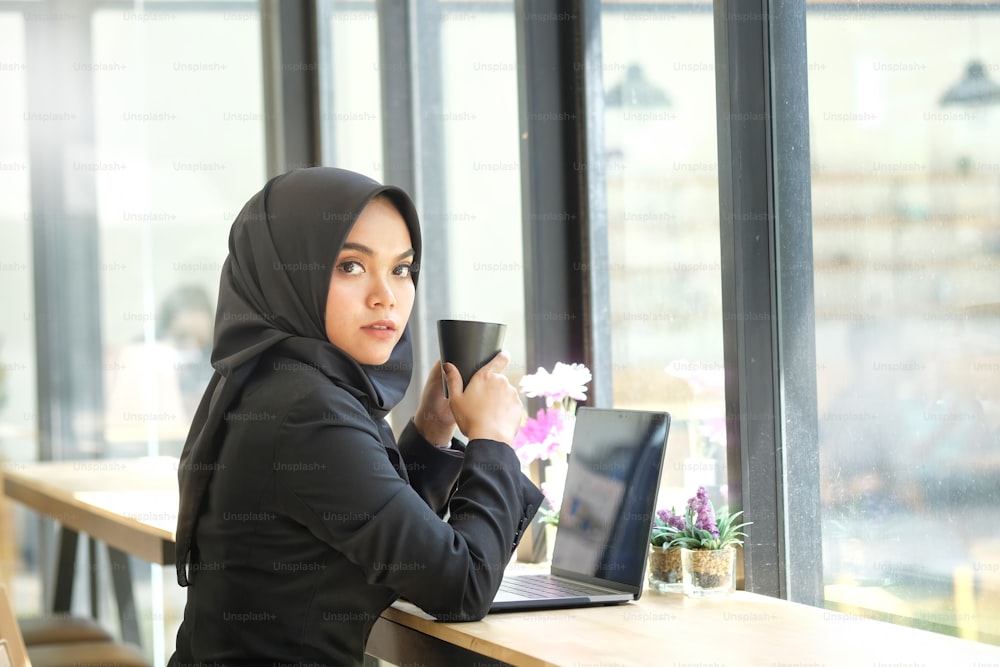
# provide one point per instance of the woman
(300, 517)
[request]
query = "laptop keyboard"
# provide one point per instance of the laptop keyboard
(543, 586)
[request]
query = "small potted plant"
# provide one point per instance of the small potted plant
(708, 542)
(664, 555)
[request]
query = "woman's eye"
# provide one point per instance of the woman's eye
(350, 267)
(403, 270)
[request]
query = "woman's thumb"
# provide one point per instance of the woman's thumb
(453, 379)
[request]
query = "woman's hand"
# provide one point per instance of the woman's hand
(434, 420)
(489, 408)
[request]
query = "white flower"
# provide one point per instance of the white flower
(565, 380)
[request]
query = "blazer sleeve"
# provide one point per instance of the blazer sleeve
(433, 471)
(338, 481)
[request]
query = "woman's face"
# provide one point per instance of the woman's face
(371, 289)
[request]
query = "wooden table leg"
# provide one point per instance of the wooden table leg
(121, 578)
(95, 609)
(65, 571)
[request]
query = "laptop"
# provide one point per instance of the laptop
(606, 514)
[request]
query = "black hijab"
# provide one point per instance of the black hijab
(272, 296)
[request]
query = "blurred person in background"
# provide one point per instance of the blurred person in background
(185, 323)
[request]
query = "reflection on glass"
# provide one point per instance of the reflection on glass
(179, 147)
(612, 481)
(166, 376)
(906, 229)
(663, 229)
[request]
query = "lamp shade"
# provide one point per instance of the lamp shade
(975, 89)
(636, 91)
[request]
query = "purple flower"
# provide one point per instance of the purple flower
(669, 518)
(701, 509)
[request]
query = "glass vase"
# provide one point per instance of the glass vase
(708, 572)
(550, 540)
(665, 569)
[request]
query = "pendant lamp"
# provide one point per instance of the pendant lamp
(975, 89)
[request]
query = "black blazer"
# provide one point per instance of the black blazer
(315, 522)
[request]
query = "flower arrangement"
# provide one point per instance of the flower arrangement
(693, 552)
(666, 524)
(548, 436)
(701, 527)
(550, 431)
(664, 560)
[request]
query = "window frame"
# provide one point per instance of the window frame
(767, 293)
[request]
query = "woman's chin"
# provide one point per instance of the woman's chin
(372, 357)
(366, 353)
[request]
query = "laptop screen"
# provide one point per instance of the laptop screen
(610, 495)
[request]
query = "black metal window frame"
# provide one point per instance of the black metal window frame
(767, 293)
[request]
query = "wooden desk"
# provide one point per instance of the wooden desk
(131, 505)
(669, 629)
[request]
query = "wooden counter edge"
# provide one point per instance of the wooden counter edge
(148, 542)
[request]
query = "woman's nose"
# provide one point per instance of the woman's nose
(382, 294)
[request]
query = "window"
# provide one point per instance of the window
(352, 103)
(905, 146)
(663, 229)
(179, 147)
(480, 171)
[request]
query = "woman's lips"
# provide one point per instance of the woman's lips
(382, 330)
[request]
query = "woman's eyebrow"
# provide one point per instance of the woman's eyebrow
(360, 247)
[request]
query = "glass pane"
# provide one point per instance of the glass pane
(179, 149)
(481, 178)
(663, 218)
(905, 147)
(18, 397)
(352, 117)
(17, 332)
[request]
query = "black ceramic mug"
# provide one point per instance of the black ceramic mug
(469, 345)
